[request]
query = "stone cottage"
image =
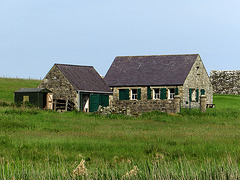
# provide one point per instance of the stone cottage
(81, 85)
(145, 83)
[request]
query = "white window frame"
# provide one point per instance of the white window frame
(171, 95)
(134, 95)
(156, 95)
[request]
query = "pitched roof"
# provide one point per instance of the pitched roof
(23, 90)
(150, 70)
(83, 78)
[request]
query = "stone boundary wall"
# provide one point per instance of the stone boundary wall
(225, 82)
(137, 107)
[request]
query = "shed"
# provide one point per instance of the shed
(80, 85)
(40, 97)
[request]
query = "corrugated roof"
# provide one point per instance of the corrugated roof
(33, 90)
(83, 77)
(150, 70)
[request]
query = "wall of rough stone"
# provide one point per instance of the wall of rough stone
(197, 79)
(138, 106)
(59, 85)
(225, 82)
(143, 105)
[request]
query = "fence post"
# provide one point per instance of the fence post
(177, 103)
(66, 105)
(203, 103)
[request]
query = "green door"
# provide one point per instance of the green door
(94, 102)
(104, 100)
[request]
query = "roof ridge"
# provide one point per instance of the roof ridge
(71, 65)
(160, 55)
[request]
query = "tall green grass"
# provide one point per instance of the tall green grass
(48, 145)
(36, 144)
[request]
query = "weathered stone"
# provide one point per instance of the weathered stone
(203, 103)
(225, 82)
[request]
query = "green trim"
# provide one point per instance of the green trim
(176, 91)
(197, 95)
(149, 93)
(190, 95)
(163, 94)
(139, 94)
(126, 94)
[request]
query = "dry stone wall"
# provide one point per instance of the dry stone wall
(225, 82)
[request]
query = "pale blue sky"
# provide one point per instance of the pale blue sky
(35, 34)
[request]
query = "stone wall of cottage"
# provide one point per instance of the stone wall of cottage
(59, 85)
(225, 82)
(197, 79)
(143, 105)
(138, 107)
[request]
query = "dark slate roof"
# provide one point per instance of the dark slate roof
(83, 78)
(23, 90)
(157, 70)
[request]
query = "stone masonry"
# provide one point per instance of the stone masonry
(197, 79)
(225, 82)
(143, 105)
(59, 85)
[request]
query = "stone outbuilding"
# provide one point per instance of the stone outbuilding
(146, 83)
(80, 85)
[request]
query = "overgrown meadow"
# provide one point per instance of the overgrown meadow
(37, 144)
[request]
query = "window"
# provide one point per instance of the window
(25, 98)
(197, 68)
(134, 94)
(171, 93)
(193, 95)
(156, 93)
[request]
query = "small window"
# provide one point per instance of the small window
(198, 73)
(156, 94)
(171, 93)
(194, 95)
(25, 98)
(134, 94)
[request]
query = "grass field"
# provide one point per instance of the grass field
(36, 144)
(8, 86)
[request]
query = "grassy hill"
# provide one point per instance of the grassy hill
(8, 86)
(226, 101)
(37, 144)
